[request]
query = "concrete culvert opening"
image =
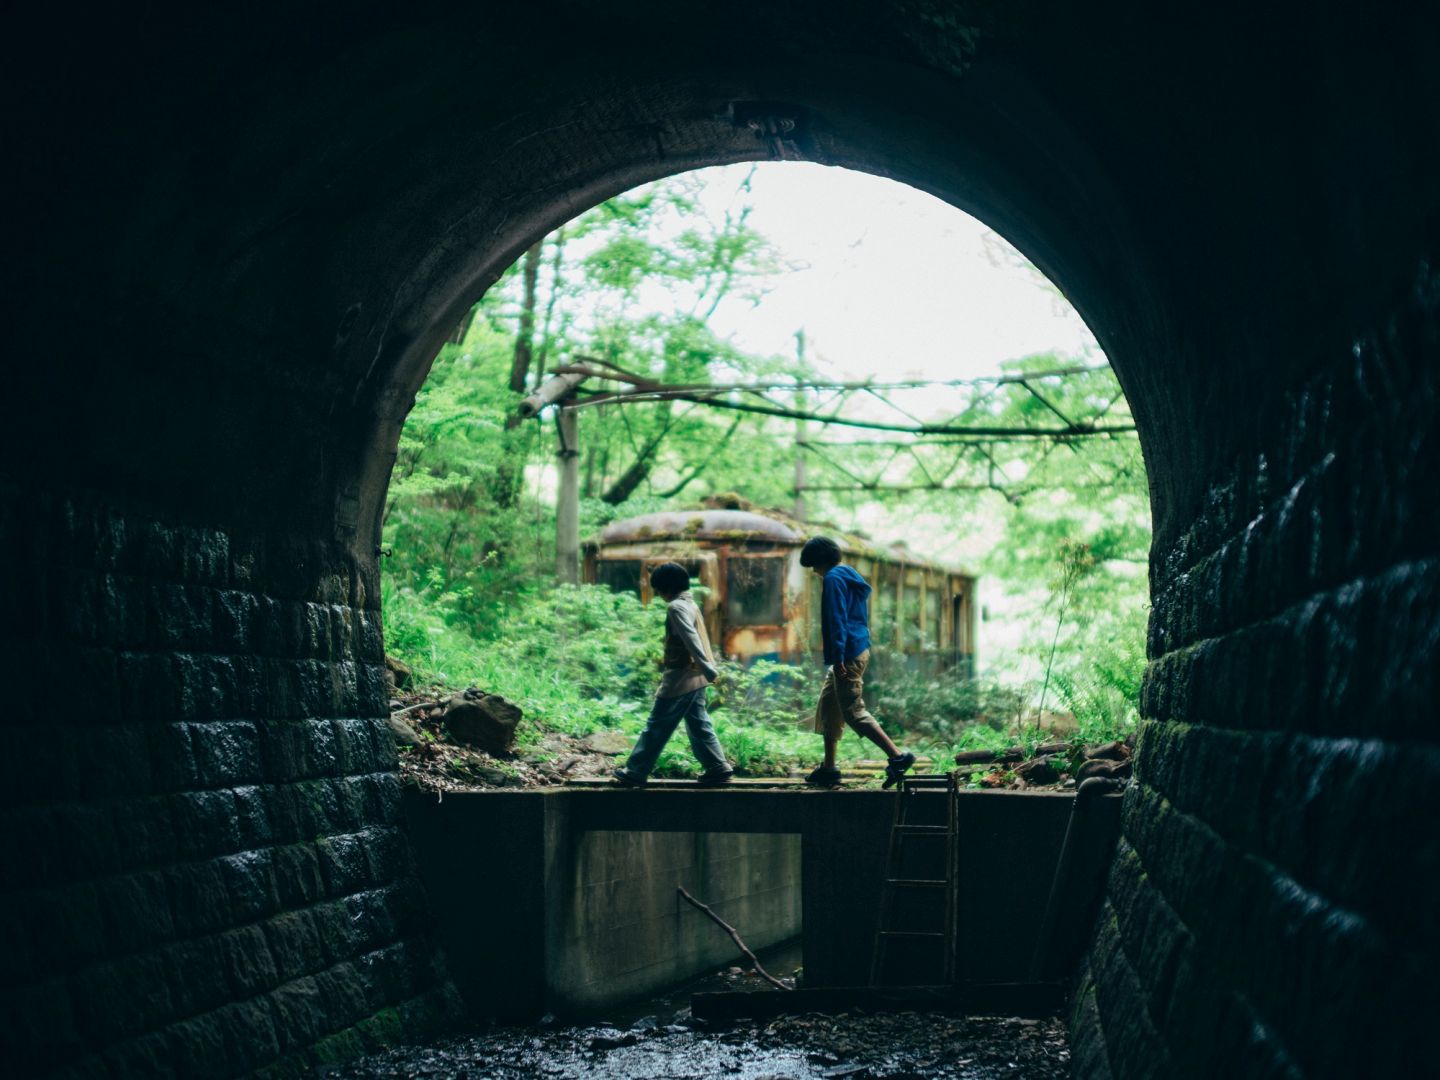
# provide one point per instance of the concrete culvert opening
(272, 225)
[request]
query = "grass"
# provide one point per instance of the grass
(581, 659)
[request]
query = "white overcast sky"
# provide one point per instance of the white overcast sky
(889, 281)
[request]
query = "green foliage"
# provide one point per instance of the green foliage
(451, 533)
(466, 525)
(576, 659)
(469, 525)
(946, 707)
(579, 659)
(1104, 692)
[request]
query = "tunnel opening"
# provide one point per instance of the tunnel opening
(925, 618)
(212, 877)
(678, 284)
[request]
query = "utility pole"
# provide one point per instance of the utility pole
(559, 390)
(567, 502)
(800, 433)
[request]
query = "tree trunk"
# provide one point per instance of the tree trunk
(632, 477)
(639, 470)
(510, 471)
(556, 265)
(457, 336)
(525, 335)
(686, 480)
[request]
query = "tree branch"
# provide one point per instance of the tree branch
(735, 937)
(1076, 431)
(698, 469)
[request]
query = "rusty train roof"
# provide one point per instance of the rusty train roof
(747, 525)
(701, 525)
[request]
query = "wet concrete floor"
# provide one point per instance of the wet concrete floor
(892, 1046)
(658, 1038)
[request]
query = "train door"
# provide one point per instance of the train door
(756, 627)
(962, 646)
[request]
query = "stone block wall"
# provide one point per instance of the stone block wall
(1274, 906)
(204, 870)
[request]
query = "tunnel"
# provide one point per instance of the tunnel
(238, 234)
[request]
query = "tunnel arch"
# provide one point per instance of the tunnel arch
(709, 117)
(260, 227)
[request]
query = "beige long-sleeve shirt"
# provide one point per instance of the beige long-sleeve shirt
(689, 663)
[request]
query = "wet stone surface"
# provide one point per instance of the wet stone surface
(853, 1046)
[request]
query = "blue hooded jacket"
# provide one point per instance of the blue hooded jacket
(844, 614)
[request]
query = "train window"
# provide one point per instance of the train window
(882, 607)
(909, 616)
(620, 575)
(754, 591)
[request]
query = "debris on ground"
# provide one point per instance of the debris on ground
(806, 1047)
(1053, 765)
(467, 742)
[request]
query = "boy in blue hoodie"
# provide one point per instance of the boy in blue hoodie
(845, 631)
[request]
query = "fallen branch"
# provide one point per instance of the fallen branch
(735, 937)
(418, 705)
(1014, 753)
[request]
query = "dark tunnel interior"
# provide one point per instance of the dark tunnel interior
(238, 235)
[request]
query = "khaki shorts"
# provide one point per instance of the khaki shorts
(842, 701)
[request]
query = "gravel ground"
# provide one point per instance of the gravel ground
(849, 1045)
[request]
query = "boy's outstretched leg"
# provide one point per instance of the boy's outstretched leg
(703, 743)
(897, 761)
(664, 715)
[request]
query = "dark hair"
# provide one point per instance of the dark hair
(670, 577)
(820, 551)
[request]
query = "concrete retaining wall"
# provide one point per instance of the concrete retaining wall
(564, 900)
(622, 931)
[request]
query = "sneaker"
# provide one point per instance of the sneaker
(824, 776)
(715, 779)
(895, 771)
(627, 779)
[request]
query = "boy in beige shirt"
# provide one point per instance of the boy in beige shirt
(689, 667)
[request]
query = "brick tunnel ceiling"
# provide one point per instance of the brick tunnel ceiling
(340, 195)
(236, 243)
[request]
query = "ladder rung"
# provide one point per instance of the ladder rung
(914, 933)
(922, 830)
(927, 781)
(918, 883)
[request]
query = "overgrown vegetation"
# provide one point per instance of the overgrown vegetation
(468, 585)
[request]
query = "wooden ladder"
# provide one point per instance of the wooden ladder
(919, 911)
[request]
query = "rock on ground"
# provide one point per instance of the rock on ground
(484, 720)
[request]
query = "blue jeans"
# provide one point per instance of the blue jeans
(665, 714)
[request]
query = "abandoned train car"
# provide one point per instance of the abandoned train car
(760, 603)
